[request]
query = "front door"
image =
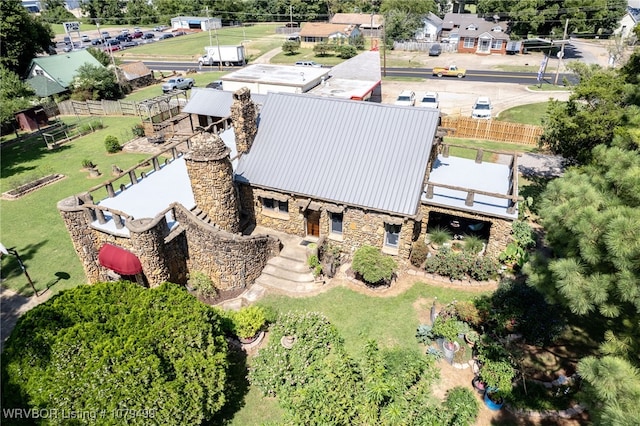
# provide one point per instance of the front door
(313, 223)
(484, 46)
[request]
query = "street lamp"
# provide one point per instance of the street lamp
(14, 252)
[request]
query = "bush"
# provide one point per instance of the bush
(374, 267)
(87, 164)
(462, 405)
(419, 253)
(202, 284)
(473, 244)
(290, 47)
(457, 266)
(439, 235)
(112, 145)
(248, 321)
(138, 130)
(346, 51)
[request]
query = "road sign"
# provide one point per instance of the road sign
(71, 26)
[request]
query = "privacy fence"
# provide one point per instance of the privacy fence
(500, 131)
(103, 107)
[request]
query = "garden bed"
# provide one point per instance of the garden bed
(31, 186)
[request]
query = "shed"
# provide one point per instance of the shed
(32, 119)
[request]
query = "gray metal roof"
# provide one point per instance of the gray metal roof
(214, 102)
(355, 153)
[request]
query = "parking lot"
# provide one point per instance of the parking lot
(94, 38)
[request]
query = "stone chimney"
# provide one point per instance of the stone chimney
(245, 119)
(211, 176)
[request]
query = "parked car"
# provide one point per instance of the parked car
(430, 100)
(105, 35)
(67, 40)
(147, 36)
(406, 98)
(137, 34)
(96, 41)
(160, 28)
(179, 33)
(126, 44)
(85, 38)
(165, 36)
(308, 64)
(217, 84)
(112, 48)
(123, 37)
(112, 42)
(482, 108)
(177, 83)
(435, 50)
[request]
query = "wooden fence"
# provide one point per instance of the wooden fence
(500, 131)
(103, 107)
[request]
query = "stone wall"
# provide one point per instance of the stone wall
(359, 227)
(500, 233)
(232, 261)
(211, 176)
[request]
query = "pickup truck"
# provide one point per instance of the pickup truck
(177, 83)
(451, 71)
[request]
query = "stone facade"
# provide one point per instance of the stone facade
(211, 176)
(359, 227)
(245, 118)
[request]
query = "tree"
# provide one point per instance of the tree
(109, 10)
(141, 12)
(23, 36)
(372, 265)
(117, 348)
(54, 12)
(102, 56)
(15, 95)
(290, 47)
(596, 108)
(404, 17)
(93, 82)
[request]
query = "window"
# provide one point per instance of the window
(496, 44)
(391, 235)
(336, 223)
(469, 42)
(275, 205)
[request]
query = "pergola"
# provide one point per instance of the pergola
(161, 115)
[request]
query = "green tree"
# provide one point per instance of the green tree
(102, 56)
(23, 36)
(15, 95)
(596, 108)
(114, 346)
(54, 12)
(110, 11)
(92, 82)
(404, 17)
(290, 47)
(140, 12)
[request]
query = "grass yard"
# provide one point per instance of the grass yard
(257, 39)
(525, 114)
(32, 223)
(201, 80)
(474, 143)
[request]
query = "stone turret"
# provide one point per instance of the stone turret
(245, 118)
(211, 175)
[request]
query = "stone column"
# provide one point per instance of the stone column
(77, 220)
(211, 176)
(147, 239)
(245, 120)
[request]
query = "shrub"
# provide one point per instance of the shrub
(87, 164)
(138, 130)
(483, 269)
(346, 51)
(523, 234)
(439, 235)
(473, 244)
(462, 405)
(111, 144)
(419, 253)
(446, 328)
(290, 47)
(424, 334)
(467, 312)
(248, 321)
(202, 284)
(374, 267)
(457, 266)
(312, 261)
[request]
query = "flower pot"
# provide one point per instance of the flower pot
(492, 400)
(478, 385)
(249, 340)
(449, 349)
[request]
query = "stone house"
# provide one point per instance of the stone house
(350, 173)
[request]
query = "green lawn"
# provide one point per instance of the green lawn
(201, 80)
(32, 223)
(525, 114)
(473, 143)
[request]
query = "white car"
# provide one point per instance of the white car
(430, 100)
(406, 98)
(482, 108)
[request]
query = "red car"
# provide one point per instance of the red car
(112, 48)
(137, 34)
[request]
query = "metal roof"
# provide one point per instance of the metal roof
(63, 67)
(214, 102)
(354, 153)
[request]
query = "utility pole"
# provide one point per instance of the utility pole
(108, 47)
(290, 16)
(561, 53)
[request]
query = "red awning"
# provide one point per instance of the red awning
(120, 260)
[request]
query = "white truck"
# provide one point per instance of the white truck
(227, 55)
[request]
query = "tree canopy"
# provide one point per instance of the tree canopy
(15, 95)
(116, 346)
(601, 104)
(547, 18)
(95, 83)
(23, 36)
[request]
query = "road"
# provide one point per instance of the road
(488, 76)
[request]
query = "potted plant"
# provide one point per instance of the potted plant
(248, 323)
(471, 337)
(497, 376)
(439, 236)
(448, 329)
